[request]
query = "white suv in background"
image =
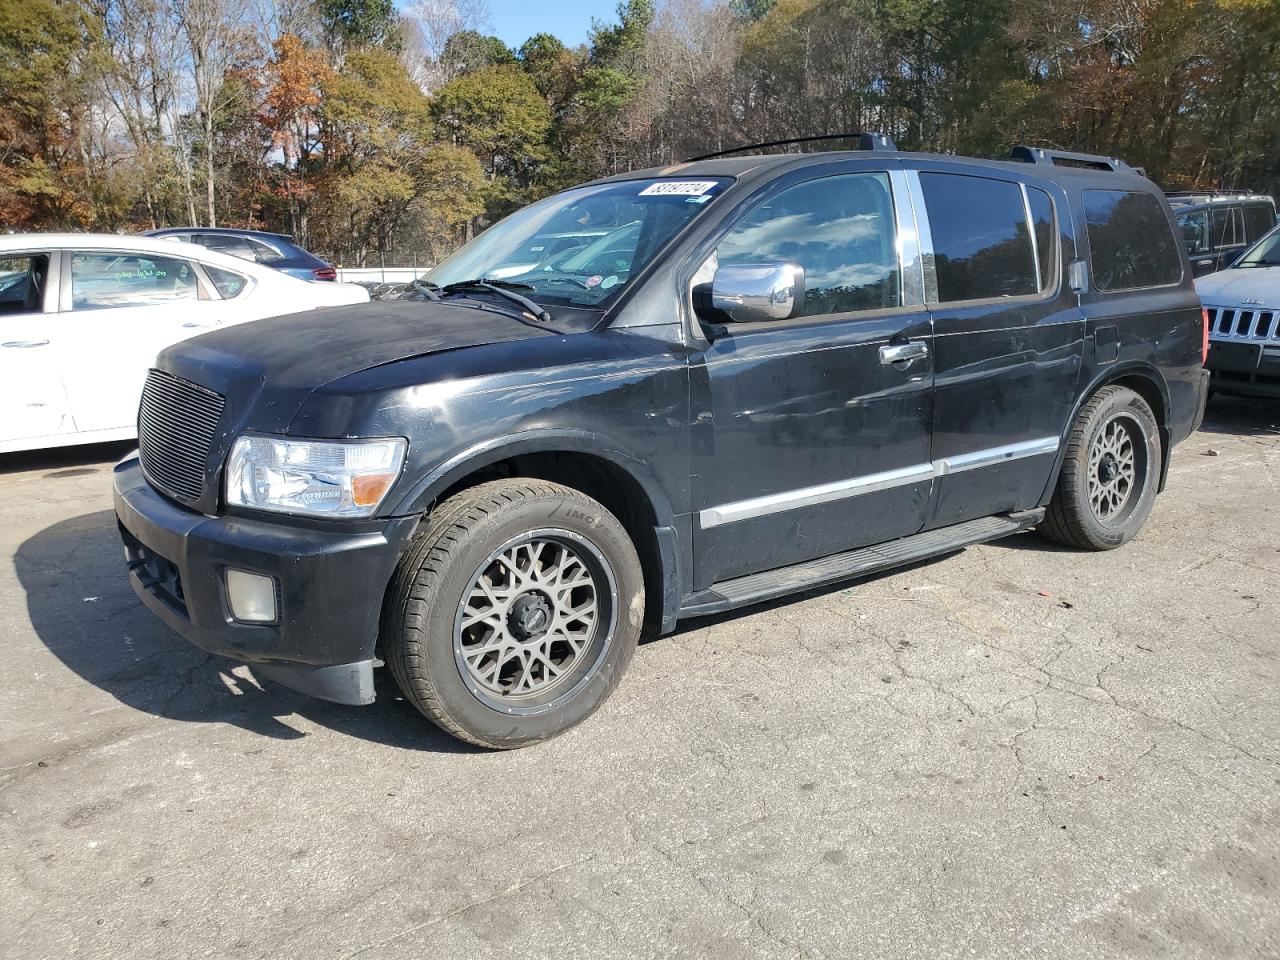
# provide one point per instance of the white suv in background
(1243, 308)
(82, 317)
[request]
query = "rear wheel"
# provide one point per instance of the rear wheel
(1108, 481)
(515, 614)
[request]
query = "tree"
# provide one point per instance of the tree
(217, 36)
(468, 51)
(382, 159)
(47, 62)
(498, 113)
(353, 24)
(296, 79)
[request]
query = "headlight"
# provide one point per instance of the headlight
(321, 478)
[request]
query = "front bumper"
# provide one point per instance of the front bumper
(330, 583)
(1249, 369)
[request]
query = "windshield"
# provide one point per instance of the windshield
(581, 247)
(1264, 253)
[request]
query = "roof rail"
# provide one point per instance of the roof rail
(866, 141)
(1214, 194)
(1063, 158)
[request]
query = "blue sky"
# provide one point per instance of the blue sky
(515, 21)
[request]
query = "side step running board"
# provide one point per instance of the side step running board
(758, 587)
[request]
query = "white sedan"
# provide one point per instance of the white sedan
(82, 317)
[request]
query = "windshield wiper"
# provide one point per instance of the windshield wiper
(427, 287)
(502, 288)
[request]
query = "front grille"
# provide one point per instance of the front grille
(177, 421)
(1231, 323)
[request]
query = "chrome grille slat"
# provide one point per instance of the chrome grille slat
(177, 422)
(1243, 324)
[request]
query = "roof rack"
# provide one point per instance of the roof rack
(1191, 195)
(1063, 158)
(866, 141)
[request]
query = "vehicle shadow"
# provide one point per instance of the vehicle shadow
(82, 608)
(81, 458)
(1241, 416)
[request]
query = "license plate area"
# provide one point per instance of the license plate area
(1234, 357)
(158, 575)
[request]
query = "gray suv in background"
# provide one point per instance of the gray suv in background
(1218, 227)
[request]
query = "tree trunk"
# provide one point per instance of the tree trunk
(208, 166)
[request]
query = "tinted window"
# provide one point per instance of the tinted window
(1195, 231)
(840, 229)
(227, 284)
(22, 283)
(231, 246)
(1046, 235)
(101, 280)
(1259, 218)
(1222, 224)
(1130, 241)
(981, 243)
(262, 252)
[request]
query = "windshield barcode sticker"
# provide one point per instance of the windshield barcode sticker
(678, 188)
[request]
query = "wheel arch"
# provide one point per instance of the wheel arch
(1144, 380)
(620, 481)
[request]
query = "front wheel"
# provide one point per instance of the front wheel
(515, 614)
(1109, 474)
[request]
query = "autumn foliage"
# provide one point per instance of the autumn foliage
(366, 129)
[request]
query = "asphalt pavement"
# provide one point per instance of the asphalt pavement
(1016, 751)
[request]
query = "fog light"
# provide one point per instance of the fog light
(252, 596)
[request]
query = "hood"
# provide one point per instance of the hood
(267, 368)
(1231, 288)
(307, 350)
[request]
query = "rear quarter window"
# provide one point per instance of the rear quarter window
(1259, 218)
(1131, 242)
(227, 284)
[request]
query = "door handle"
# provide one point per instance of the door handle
(25, 343)
(198, 326)
(904, 352)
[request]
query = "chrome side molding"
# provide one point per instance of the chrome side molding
(872, 482)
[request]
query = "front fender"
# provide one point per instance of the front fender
(425, 490)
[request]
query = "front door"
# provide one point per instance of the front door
(32, 400)
(1008, 335)
(810, 435)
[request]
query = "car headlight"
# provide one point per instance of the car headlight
(321, 478)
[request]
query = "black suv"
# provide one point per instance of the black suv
(1217, 227)
(779, 372)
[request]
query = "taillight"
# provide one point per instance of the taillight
(325, 273)
(1204, 323)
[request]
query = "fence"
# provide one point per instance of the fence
(392, 267)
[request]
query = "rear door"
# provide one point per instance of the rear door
(1226, 227)
(33, 402)
(119, 310)
(1007, 337)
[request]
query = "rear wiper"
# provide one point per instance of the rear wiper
(502, 288)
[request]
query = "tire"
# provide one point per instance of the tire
(479, 629)
(1093, 508)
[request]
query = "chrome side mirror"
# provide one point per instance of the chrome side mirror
(751, 292)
